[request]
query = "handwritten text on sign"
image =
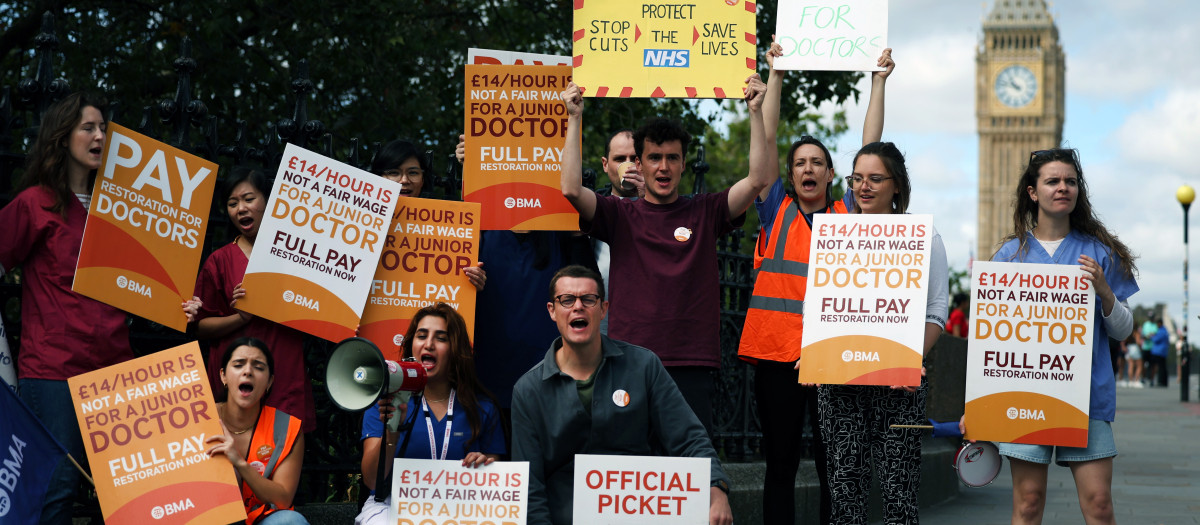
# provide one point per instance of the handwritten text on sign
(837, 35)
(864, 309)
(1029, 357)
(429, 492)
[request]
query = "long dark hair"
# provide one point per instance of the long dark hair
(791, 159)
(461, 370)
(893, 162)
(46, 164)
(1082, 219)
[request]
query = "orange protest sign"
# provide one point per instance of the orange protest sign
(514, 126)
(144, 424)
(145, 229)
(428, 246)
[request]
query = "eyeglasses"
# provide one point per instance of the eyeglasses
(567, 300)
(875, 180)
(412, 174)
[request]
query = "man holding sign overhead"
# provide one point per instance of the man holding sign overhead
(664, 258)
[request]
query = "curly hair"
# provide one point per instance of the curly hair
(46, 164)
(461, 370)
(660, 131)
(1082, 218)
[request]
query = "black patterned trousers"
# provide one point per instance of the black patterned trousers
(855, 423)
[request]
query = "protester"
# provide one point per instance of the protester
(856, 420)
(63, 334)
(219, 286)
(263, 444)
(437, 338)
(957, 325)
(1054, 223)
(624, 180)
(664, 261)
(555, 418)
(774, 323)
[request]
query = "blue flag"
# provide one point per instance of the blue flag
(28, 455)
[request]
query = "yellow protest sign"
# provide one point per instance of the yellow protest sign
(655, 48)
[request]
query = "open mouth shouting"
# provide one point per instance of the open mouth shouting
(245, 389)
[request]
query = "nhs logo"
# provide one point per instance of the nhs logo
(665, 58)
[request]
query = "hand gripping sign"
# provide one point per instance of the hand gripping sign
(145, 229)
(864, 309)
(657, 48)
(831, 35)
(319, 244)
(1029, 353)
(144, 424)
(431, 492)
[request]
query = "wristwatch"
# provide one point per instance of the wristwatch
(721, 484)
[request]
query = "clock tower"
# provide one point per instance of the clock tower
(1019, 101)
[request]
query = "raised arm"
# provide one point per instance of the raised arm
(873, 124)
(583, 199)
(770, 111)
(761, 175)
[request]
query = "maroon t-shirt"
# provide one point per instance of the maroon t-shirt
(63, 334)
(291, 392)
(663, 280)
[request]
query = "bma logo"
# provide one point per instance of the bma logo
(666, 58)
(10, 473)
(848, 356)
(1025, 413)
(522, 203)
(161, 512)
(295, 298)
(133, 286)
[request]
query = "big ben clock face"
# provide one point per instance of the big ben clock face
(1016, 86)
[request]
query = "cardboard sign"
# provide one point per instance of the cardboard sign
(319, 244)
(429, 492)
(641, 489)
(1029, 355)
(515, 127)
(145, 229)
(144, 423)
(513, 58)
(864, 311)
(657, 48)
(428, 246)
(839, 35)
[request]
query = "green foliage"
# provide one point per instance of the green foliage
(382, 69)
(960, 282)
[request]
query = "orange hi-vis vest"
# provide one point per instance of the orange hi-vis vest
(273, 439)
(775, 319)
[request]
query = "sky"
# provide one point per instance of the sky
(1132, 110)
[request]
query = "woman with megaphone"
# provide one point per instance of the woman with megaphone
(264, 444)
(434, 426)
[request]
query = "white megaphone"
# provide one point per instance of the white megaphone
(358, 375)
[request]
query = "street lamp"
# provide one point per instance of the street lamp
(1185, 194)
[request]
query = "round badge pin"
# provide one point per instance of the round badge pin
(621, 398)
(682, 234)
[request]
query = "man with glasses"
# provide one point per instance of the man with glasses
(664, 270)
(595, 395)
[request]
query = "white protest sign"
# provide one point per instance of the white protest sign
(831, 35)
(864, 310)
(1029, 353)
(430, 492)
(641, 489)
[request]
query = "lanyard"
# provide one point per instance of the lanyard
(429, 426)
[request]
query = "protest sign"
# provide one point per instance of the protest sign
(319, 244)
(429, 492)
(864, 311)
(1029, 354)
(144, 425)
(145, 229)
(427, 247)
(8, 367)
(515, 128)
(837, 35)
(481, 57)
(659, 48)
(641, 489)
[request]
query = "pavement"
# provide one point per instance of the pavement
(1156, 476)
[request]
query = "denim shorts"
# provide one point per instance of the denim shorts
(1100, 445)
